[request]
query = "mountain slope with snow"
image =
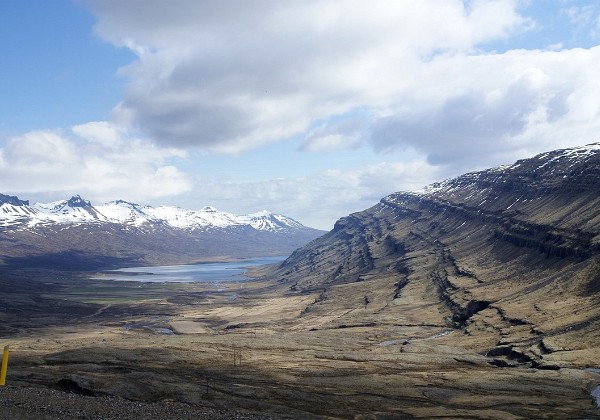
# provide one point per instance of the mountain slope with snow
(16, 214)
(508, 259)
(75, 233)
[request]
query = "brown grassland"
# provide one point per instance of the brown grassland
(259, 347)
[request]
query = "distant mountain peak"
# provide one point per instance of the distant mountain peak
(77, 201)
(128, 203)
(13, 200)
(77, 233)
(261, 213)
(77, 210)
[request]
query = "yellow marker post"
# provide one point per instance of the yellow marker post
(4, 366)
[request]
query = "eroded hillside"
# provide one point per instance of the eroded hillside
(478, 297)
(509, 258)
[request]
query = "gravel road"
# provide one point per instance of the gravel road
(44, 403)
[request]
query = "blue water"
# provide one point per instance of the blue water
(596, 395)
(208, 272)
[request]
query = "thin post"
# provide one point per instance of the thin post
(4, 366)
(237, 356)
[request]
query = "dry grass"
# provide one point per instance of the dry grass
(265, 351)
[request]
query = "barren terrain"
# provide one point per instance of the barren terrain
(260, 348)
(478, 297)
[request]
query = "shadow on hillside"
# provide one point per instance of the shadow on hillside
(71, 261)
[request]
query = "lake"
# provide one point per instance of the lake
(189, 273)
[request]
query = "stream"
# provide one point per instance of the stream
(596, 391)
(596, 395)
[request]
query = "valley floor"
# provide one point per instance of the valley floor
(259, 349)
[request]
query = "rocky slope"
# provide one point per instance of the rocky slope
(74, 234)
(477, 297)
(509, 257)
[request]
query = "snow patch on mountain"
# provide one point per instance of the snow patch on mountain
(189, 219)
(76, 210)
(123, 212)
(264, 220)
(14, 215)
(550, 163)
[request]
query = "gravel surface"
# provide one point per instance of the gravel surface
(44, 403)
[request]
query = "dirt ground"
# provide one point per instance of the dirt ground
(257, 348)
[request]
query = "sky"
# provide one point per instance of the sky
(313, 109)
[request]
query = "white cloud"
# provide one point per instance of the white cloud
(232, 76)
(39, 152)
(96, 160)
(100, 132)
(493, 105)
(345, 132)
(585, 19)
(320, 199)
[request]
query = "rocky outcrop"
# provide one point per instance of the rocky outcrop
(12, 200)
(77, 201)
(504, 255)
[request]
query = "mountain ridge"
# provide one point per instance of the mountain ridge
(502, 255)
(16, 213)
(477, 297)
(73, 234)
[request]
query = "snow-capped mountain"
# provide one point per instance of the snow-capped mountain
(508, 259)
(544, 209)
(75, 233)
(568, 168)
(18, 214)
